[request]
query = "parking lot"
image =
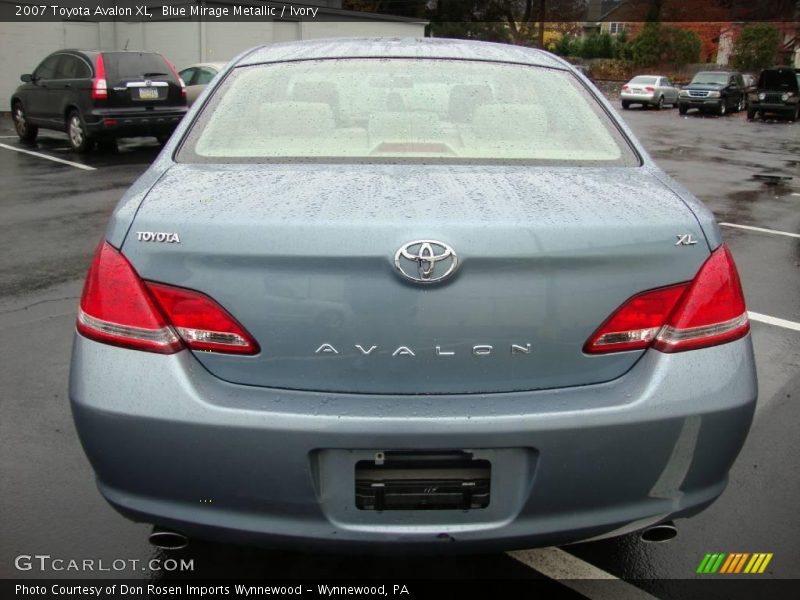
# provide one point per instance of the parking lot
(54, 205)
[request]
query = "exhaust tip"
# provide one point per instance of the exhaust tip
(166, 539)
(663, 532)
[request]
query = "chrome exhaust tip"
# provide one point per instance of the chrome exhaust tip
(663, 532)
(166, 539)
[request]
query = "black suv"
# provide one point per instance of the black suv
(714, 91)
(778, 93)
(100, 95)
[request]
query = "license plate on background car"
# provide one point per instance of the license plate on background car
(148, 94)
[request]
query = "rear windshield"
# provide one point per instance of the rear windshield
(396, 109)
(135, 65)
(779, 80)
(644, 80)
(707, 77)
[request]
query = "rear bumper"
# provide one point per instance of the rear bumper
(126, 124)
(173, 445)
(634, 98)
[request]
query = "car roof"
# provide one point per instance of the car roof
(644, 75)
(399, 48)
(216, 65)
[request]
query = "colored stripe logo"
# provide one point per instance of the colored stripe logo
(734, 563)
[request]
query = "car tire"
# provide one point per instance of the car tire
(25, 131)
(682, 109)
(660, 104)
(751, 114)
(79, 138)
(723, 109)
(742, 105)
(626, 105)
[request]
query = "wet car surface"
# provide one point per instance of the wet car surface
(54, 214)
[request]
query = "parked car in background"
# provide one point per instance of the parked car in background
(531, 388)
(197, 77)
(94, 95)
(778, 93)
(714, 91)
(649, 90)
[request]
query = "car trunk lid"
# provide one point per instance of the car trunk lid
(304, 257)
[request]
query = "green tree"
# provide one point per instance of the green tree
(597, 45)
(757, 47)
(665, 45)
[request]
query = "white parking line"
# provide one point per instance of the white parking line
(762, 230)
(754, 316)
(48, 157)
(579, 575)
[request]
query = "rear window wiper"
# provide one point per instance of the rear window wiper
(154, 74)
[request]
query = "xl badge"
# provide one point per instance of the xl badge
(426, 261)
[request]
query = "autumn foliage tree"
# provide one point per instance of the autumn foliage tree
(665, 45)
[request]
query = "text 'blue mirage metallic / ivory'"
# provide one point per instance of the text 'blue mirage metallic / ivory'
(374, 291)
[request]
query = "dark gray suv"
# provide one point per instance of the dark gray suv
(94, 96)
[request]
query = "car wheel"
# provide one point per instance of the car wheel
(796, 115)
(751, 114)
(626, 105)
(682, 109)
(25, 131)
(742, 105)
(660, 103)
(723, 109)
(79, 139)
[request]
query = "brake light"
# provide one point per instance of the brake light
(650, 88)
(119, 308)
(707, 311)
(626, 87)
(99, 83)
(201, 322)
(712, 312)
(178, 77)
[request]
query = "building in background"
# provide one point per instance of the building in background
(24, 44)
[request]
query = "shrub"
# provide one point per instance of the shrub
(757, 47)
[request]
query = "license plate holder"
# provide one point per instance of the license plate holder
(148, 93)
(402, 480)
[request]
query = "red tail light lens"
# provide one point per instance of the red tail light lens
(202, 323)
(118, 308)
(707, 311)
(637, 322)
(650, 88)
(99, 84)
(712, 312)
(178, 77)
(626, 87)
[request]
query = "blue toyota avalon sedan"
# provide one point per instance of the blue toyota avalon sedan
(389, 292)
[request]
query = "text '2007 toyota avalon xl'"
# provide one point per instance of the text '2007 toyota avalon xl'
(406, 291)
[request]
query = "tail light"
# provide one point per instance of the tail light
(99, 83)
(178, 77)
(707, 311)
(119, 308)
(650, 88)
(626, 87)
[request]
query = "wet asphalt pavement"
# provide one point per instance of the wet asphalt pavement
(52, 215)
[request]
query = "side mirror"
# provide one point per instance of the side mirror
(27, 77)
